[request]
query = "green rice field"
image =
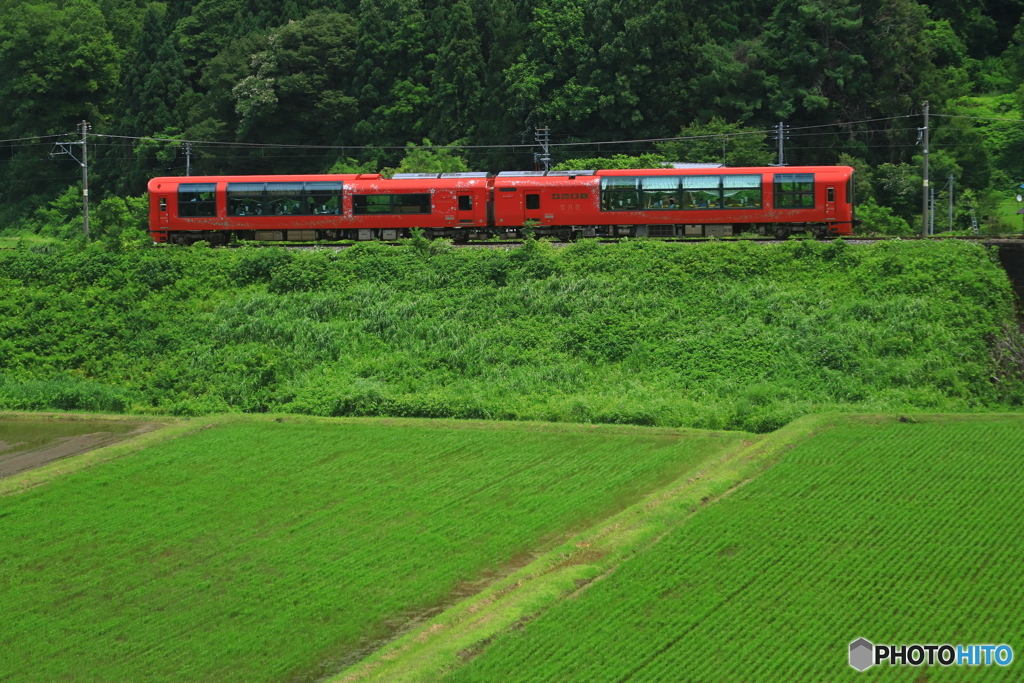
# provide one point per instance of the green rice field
(898, 532)
(255, 549)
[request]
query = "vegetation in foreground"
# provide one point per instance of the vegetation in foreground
(255, 549)
(715, 335)
(888, 529)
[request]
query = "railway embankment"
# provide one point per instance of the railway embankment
(713, 335)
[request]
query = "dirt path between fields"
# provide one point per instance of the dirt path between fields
(25, 445)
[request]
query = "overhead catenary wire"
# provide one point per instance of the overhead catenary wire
(513, 146)
(110, 140)
(792, 132)
(979, 118)
(38, 137)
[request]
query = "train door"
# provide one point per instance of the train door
(466, 209)
(162, 213)
(830, 204)
(531, 206)
(508, 207)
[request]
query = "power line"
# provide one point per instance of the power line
(979, 118)
(36, 137)
(524, 146)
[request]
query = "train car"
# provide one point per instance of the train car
(315, 207)
(452, 205)
(556, 203)
(679, 202)
(665, 202)
(213, 208)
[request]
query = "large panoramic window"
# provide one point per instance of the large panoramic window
(741, 191)
(197, 199)
(284, 199)
(701, 192)
(794, 191)
(245, 199)
(619, 193)
(324, 198)
(659, 192)
(681, 192)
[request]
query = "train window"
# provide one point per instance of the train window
(619, 183)
(324, 198)
(619, 193)
(163, 203)
(660, 192)
(465, 202)
(197, 199)
(794, 191)
(741, 191)
(245, 199)
(412, 203)
(283, 199)
(364, 204)
(701, 192)
(831, 194)
(533, 201)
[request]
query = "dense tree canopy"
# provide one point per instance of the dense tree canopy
(351, 82)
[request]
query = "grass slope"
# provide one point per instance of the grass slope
(897, 532)
(716, 335)
(260, 550)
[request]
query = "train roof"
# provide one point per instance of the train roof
(174, 181)
(411, 182)
(725, 170)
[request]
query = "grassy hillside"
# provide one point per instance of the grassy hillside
(251, 549)
(713, 335)
(895, 531)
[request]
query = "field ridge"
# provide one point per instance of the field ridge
(463, 632)
(297, 544)
(890, 527)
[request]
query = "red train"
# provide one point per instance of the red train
(663, 202)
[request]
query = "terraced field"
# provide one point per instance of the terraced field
(900, 532)
(255, 549)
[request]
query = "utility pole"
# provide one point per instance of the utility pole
(543, 137)
(951, 202)
(924, 173)
(66, 148)
(780, 135)
(931, 214)
(85, 179)
(188, 158)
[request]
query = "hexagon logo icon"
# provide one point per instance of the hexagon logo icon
(861, 654)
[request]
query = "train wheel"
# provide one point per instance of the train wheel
(782, 232)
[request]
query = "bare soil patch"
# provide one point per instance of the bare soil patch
(27, 444)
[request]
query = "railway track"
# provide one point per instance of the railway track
(499, 244)
(986, 239)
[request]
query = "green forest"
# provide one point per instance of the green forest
(320, 85)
